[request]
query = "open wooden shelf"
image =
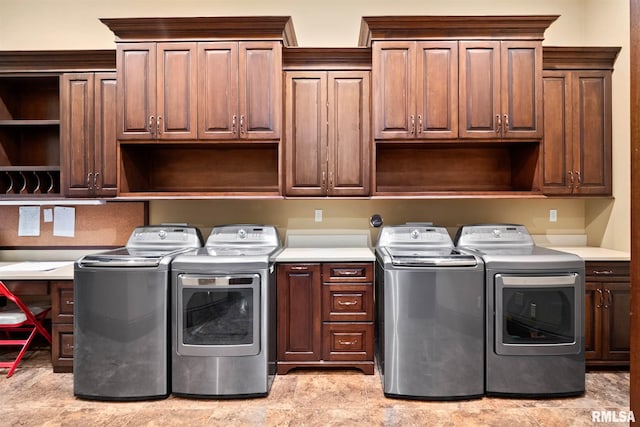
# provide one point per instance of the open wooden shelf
(467, 168)
(199, 169)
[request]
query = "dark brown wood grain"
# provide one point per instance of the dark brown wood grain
(635, 203)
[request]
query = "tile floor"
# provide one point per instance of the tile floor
(35, 396)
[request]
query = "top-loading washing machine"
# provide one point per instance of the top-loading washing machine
(535, 313)
(224, 314)
(121, 315)
(429, 315)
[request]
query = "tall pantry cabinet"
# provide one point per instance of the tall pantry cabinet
(577, 120)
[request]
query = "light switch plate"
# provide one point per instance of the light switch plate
(318, 215)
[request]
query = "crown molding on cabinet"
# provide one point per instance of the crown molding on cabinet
(579, 57)
(203, 28)
(56, 60)
(419, 27)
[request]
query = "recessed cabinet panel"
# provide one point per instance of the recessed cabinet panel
(480, 113)
(557, 132)
(437, 89)
(106, 155)
(593, 128)
(136, 64)
(348, 139)
(306, 131)
(260, 81)
(393, 65)
(217, 90)
(521, 99)
(177, 96)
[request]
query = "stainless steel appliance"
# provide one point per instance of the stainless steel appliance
(535, 313)
(224, 314)
(429, 315)
(121, 315)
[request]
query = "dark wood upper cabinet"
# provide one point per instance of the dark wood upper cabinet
(577, 120)
(327, 122)
(88, 134)
(501, 89)
(42, 108)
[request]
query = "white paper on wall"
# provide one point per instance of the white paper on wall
(29, 221)
(64, 221)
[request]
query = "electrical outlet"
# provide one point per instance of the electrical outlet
(553, 215)
(318, 215)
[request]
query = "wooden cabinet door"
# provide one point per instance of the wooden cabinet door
(306, 133)
(393, 69)
(437, 90)
(105, 139)
(479, 89)
(557, 146)
(616, 321)
(299, 312)
(521, 89)
(76, 137)
(136, 65)
(260, 90)
(592, 132)
(218, 90)
(348, 133)
(594, 301)
(177, 108)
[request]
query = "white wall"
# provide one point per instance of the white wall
(73, 24)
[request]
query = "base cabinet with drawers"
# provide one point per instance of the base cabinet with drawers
(62, 325)
(325, 316)
(607, 313)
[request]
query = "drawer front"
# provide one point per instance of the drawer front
(62, 346)
(62, 302)
(347, 303)
(602, 270)
(347, 272)
(347, 341)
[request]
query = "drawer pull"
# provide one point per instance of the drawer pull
(300, 268)
(602, 272)
(69, 347)
(68, 302)
(354, 342)
(347, 272)
(347, 303)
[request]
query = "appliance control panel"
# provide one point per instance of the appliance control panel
(494, 235)
(243, 234)
(432, 236)
(165, 235)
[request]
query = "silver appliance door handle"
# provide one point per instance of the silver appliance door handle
(539, 280)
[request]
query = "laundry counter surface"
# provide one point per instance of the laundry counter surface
(592, 253)
(36, 270)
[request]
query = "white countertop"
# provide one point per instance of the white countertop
(592, 253)
(325, 255)
(37, 271)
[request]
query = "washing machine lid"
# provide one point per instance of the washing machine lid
(442, 257)
(494, 237)
(129, 257)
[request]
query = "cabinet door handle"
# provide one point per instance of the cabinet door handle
(600, 299)
(506, 122)
(89, 175)
(347, 303)
(498, 123)
(609, 302)
(152, 122)
(579, 177)
(419, 123)
(234, 129)
(412, 129)
(242, 130)
(159, 124)
(570, 185)
(341, 342)
(330, 180)
(95, 181)
(602, 272)
(68, 302)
